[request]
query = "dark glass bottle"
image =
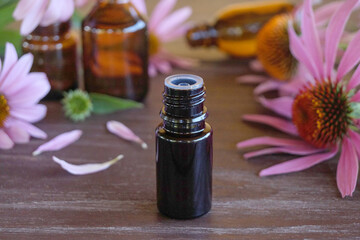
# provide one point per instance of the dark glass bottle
(236, 27)
(184, 150)
(115, 50)
(55, 53)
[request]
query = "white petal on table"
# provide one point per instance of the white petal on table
(59, 142)
(86, 168)
(120, 130)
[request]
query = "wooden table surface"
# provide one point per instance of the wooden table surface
(38, 200)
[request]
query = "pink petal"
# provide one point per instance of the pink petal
(86, 168)
(176, 33)
(67, 10)
(30, 114)
(22, 9)
(281, 105)
(17, 134)
(256, 66)
(5, 141)
(356, 97)
(334, 32)
(18, 71)
(140, 6)
(302, 150)
(275, 122)
(350, 58)
(124, 132)
(173, 21)
(355, 80)
(162, 65)
(267, 86)
(324, 13)
(355, 138)
(61, 141)
(33, 18)
(152, 70)
(298, 164)
(9, 61)
(310, 37)
(271, 141)
(348, 168)
(301, 53)
(31, 129)
(162, 9)
(52, 13)
(31, 93)
(81, 3)
(252, 79)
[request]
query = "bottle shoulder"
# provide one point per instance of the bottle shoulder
(161, 133)
(114, 16)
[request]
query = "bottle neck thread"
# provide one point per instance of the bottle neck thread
(184, 112)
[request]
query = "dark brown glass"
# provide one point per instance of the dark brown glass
(115, 50)
(55, 53)
(184, 151)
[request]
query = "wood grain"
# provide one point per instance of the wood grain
(38, 200)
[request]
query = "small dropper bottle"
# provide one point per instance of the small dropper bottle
(234, 32)
(184, 150)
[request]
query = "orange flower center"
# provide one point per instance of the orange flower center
(321, 114)
(4, 110)
(273, 48)
(154, 44)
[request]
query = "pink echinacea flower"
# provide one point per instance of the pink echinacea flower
(164, 27)
(20, 92)
(44, 12)
(324, 113)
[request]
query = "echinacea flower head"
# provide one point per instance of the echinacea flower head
(77, 105)
(325, 112)
(165, 26)
(321, 114)
(44, 13)
(20, 92)
(273, 50)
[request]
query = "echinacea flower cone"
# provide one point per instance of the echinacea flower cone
(321, 114)
(273, 50)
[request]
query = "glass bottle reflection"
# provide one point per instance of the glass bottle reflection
(115, 50)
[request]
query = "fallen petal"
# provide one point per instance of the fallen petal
(59, 142)
(86, 168)
(120, 130)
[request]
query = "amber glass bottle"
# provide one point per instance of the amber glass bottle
(184, 150)
(115, 50)
(236, 27)
(55, 53)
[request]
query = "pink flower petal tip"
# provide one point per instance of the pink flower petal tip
(120, 130)
(85, 169)
(59, 142)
